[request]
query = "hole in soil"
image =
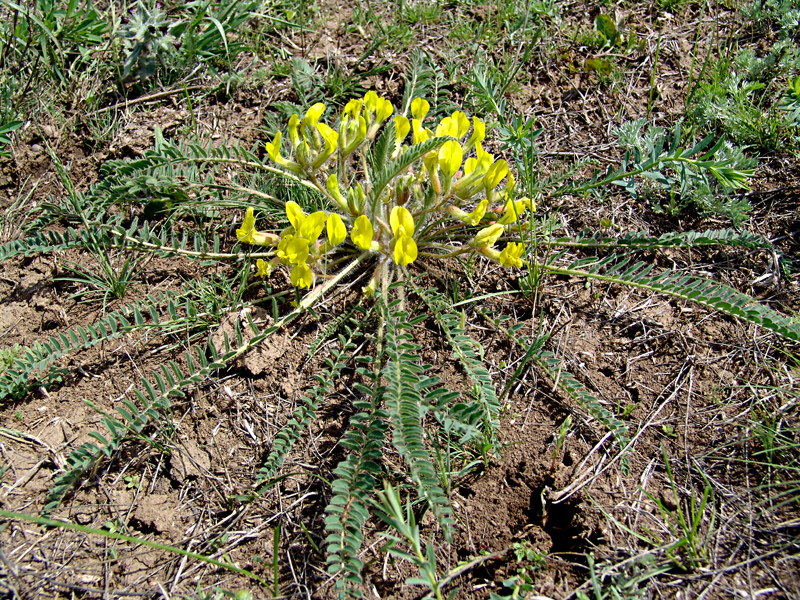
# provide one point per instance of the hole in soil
(634, 394)
(562, 522)
(607, 371)
(568, 459)
(49, 325)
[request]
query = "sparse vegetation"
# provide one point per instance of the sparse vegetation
(469, 300)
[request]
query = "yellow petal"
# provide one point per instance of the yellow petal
(353, 107)
(405, 250)
(487, 237)
(332, 185)
(447, 126)
(431, 161)
(245, 233)
(476, 215)
(313, 114)
(274, 147)
(336, 230)
(450, 156)
(358, 132)
(401, 128)
(420, 134)
(294, 135)
(297, 250)
(274, 152)
(301, 276)
(331, 138)
(263, 268)
(262, 238)
(513, 210)
(371, 101)
(401, 221)
(495, 174)
(478, 132)
(362, 233)
(462, 122)
(295, 214)
(511, 256)
(384, 109)
(420, 108)
(312, 226)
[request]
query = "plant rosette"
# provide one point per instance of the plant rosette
(409, 193)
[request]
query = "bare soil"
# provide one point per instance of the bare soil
(681, 372)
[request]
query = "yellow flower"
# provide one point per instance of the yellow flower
(353, 108)
(331, 139)
(495, 174)
(420, 108)
(307, 227)
(511, 256)
(513, 210)
(356, 133)
(476, 215)
(383, 110)
(248, 234)
(362, 233)
(301, 276)
(294, 135)
(478, 133)
(264, 268)
(332, 185)
(450, 156)
(371, 101)
(312, 226)
(282, 245)
(405, 250)
(336, 230)
(472, 183)
(245, 233)
(487, 236)
(401, 221)
(462, 122)
(401, 128)
(295, 214)
(296, 251)
(421, 134)
(313, 115)
(274, 152)
(447, 126)
(431, 162)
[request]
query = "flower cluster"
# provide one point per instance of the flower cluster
(397, 210)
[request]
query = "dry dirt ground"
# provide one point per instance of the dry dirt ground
(679, 374)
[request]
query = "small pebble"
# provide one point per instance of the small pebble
(36, 148)
(668, 499)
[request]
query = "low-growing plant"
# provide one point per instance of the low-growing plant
(786, 13)
(735, 99)
(686, 185)
(684, 521)
(387, 199)
(148, 40)
(521, 584)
